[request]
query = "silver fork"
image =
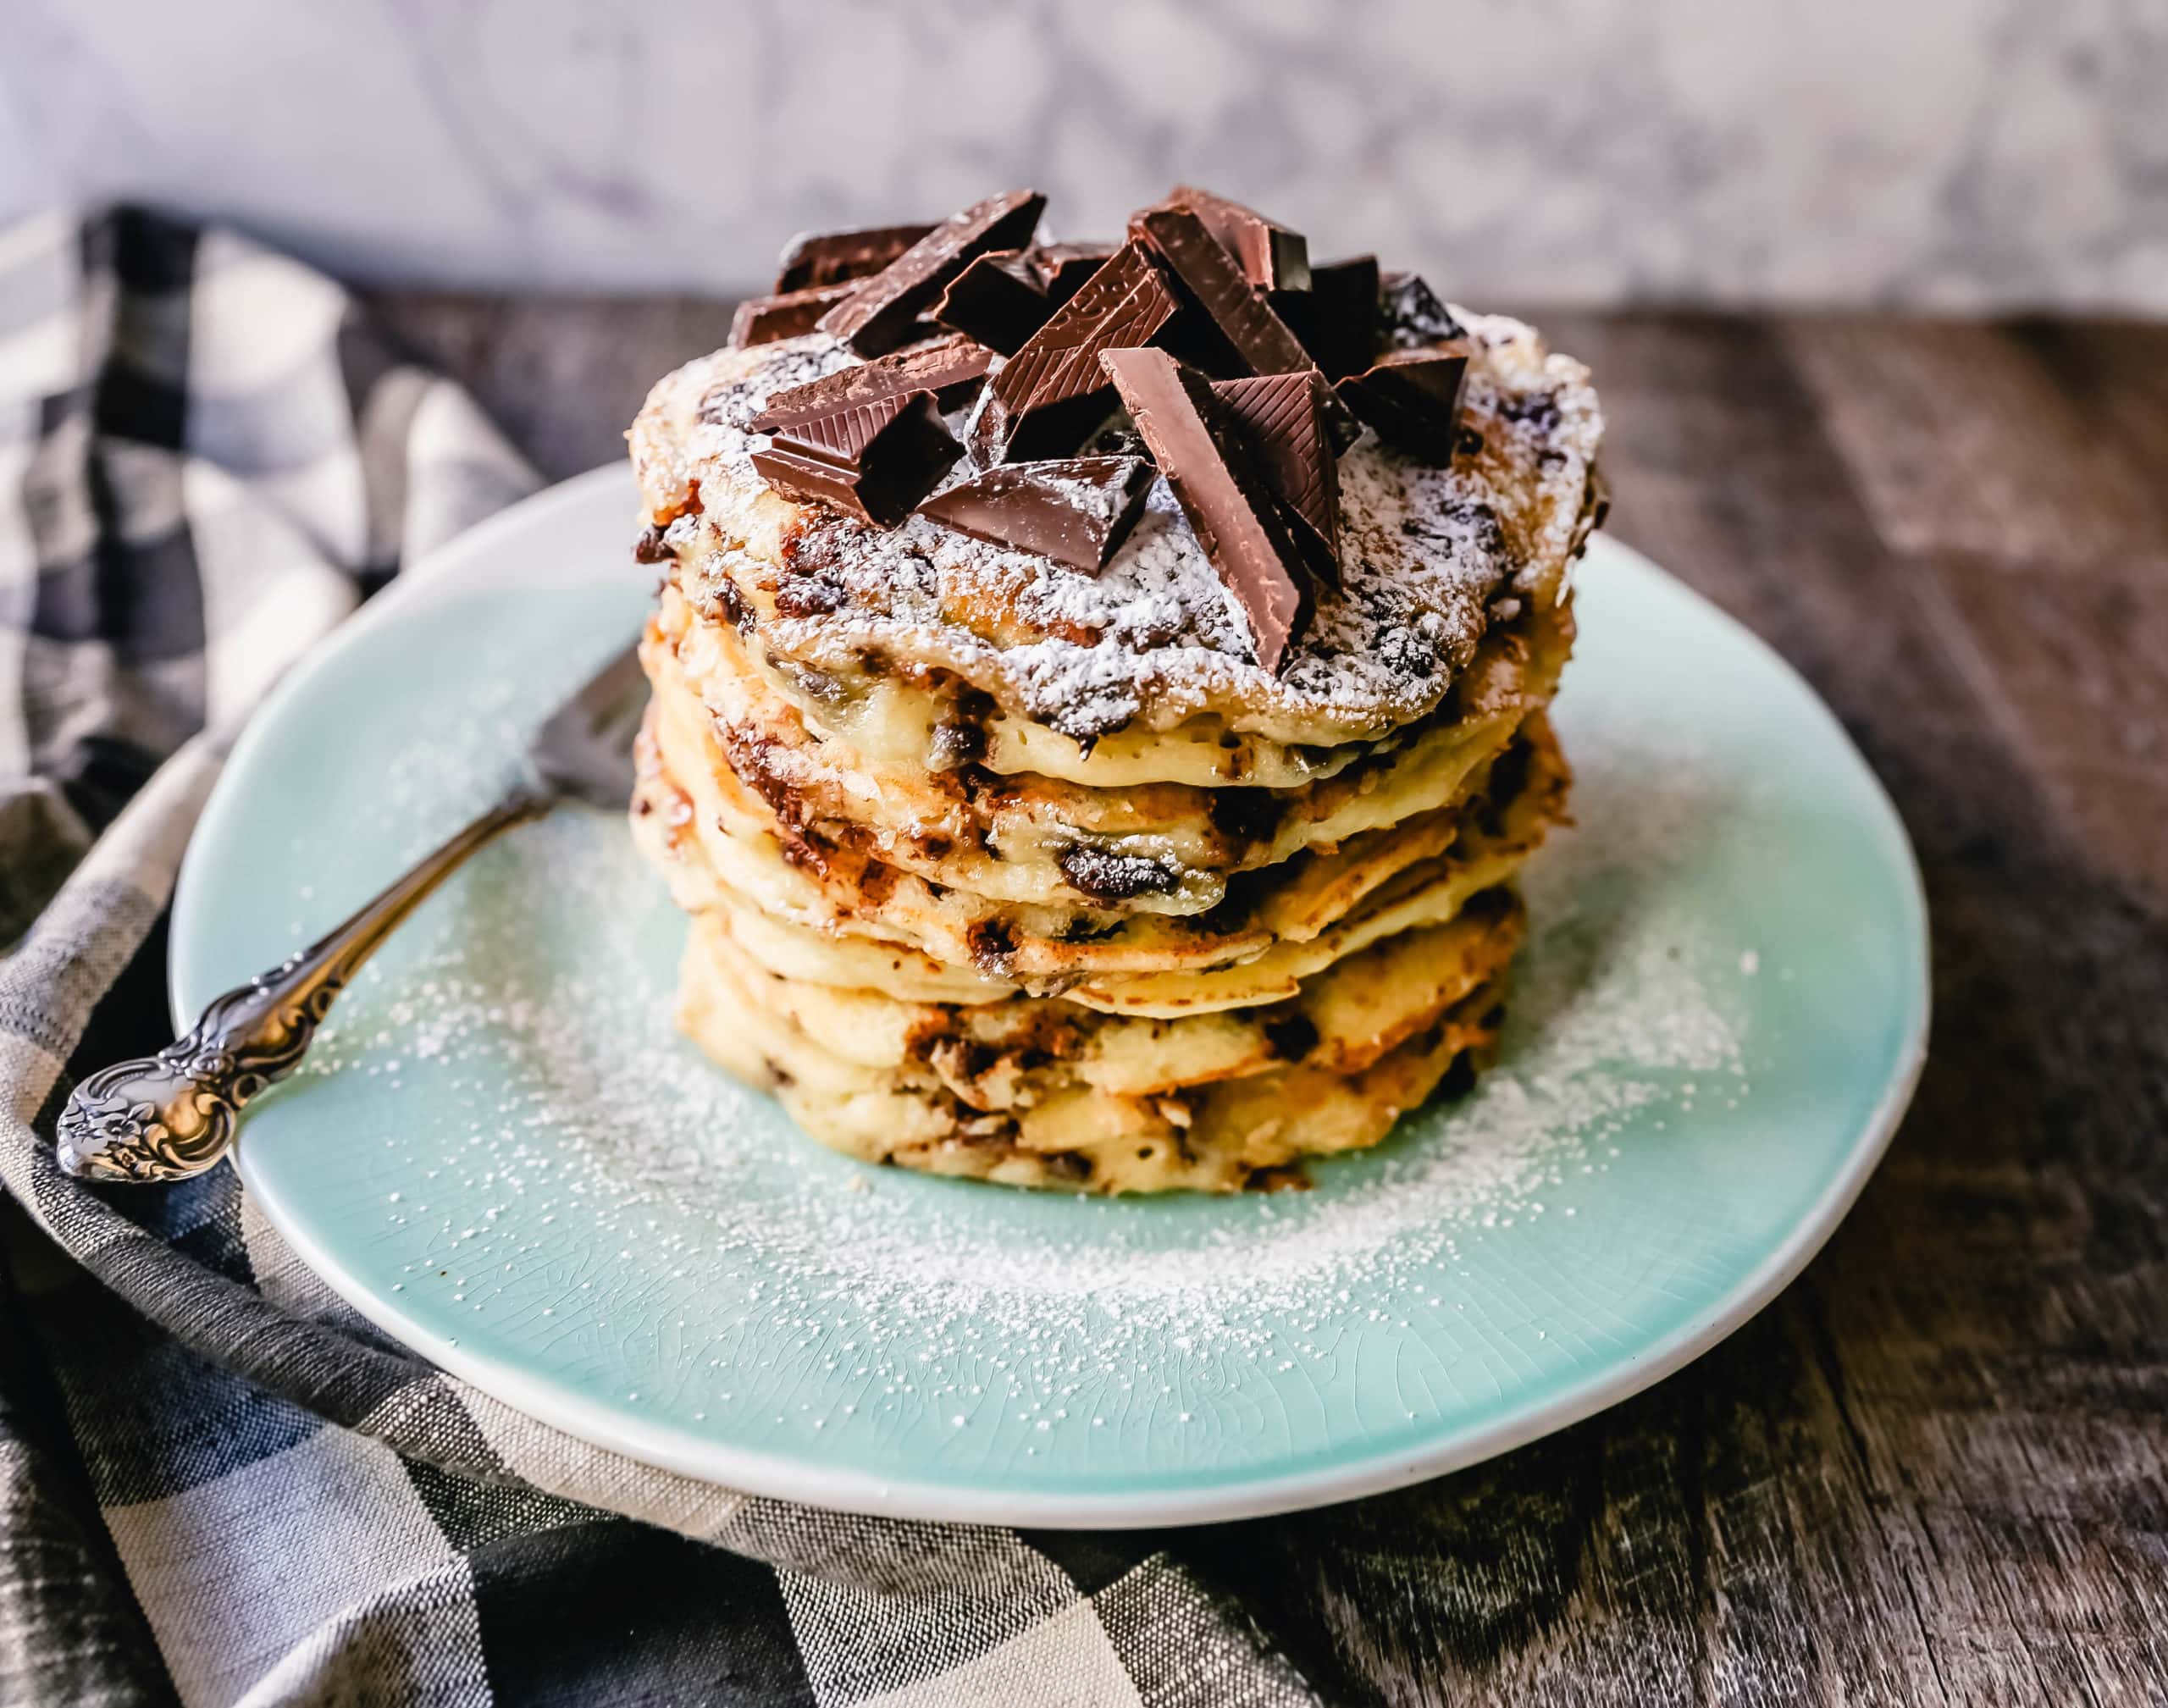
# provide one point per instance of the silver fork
(169, 1116)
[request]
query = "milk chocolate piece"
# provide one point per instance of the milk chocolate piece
(1063, 268)
(877, 315)
(998, 300)
(1230, 504)
(1272, 257)
(764, 319)
(1281, 417)
(875, 459)
(1075, 510)
(1412, 315)
(953, 368)
(1232, 330)
(1338, 318)
(831, 257)
(1052, 394)
(1412, 398)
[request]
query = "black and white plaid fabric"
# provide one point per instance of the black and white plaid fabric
(216, 1483)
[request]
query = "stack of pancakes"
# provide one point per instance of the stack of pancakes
(1003, 868)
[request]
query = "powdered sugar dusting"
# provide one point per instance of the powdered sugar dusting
(1156, 635)
(695, 1204)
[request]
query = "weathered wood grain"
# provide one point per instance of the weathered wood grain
(1965, 437)
(2080, 666)
(2039, 536)
(1936, 1470)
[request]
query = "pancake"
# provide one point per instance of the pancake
(1225, 1136)
(1248, 950)
(1165, 848)
(1056, 863)
(1017, 1052)
(1141, 672)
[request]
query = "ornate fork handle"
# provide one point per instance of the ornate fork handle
(171, 1116)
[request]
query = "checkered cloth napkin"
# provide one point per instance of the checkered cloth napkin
(217, 1483)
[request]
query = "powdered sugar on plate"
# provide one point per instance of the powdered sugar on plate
(501, 1154)
(698, 1210)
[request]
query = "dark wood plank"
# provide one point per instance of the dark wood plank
(1963, 438)
(1936, 1470)
(2079, 666)
(2116, 374)
(1723, 473)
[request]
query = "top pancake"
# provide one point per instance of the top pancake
(1153, 653)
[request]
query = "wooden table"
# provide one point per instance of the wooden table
(1936, 1470)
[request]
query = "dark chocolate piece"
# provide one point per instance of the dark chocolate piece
(764, 319)
(1115, 438)
(1411, 314)
(998, 300)
(1302, 312)
(1338, 318)
(1281, 417)
(1412, 398)
(953, 368)
(1229, 502)
(1110, 875)
(1240, 334)
(1051, 395)
(1076, 510)
(877, 315)
(875, 459)
(1063, 268)
(831, 258)
(1272, 257)
(651, 547)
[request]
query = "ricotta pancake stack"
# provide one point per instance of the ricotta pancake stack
(1099, 690)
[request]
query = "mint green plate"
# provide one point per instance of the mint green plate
(501, 1154)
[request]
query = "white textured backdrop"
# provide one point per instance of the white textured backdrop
(1943, 153)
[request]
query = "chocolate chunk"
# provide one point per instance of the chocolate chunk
(1272, 257)
(1244, 818)
(1412, 398)
(651, 547)
(1281, 417)
(1076, 511)
(953, 369)
(1107, 875)
(1115, 439)
(1052, 394)
(992, 946)
(1538, 409)
(1292, 1035)
(1228, 501)
(877, 315)
(1233, 330)
(831, 257)
(998, 300)
(876, 459)
(764, 319)
(1338, 318)
(1063, 268)
(1412, 315)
